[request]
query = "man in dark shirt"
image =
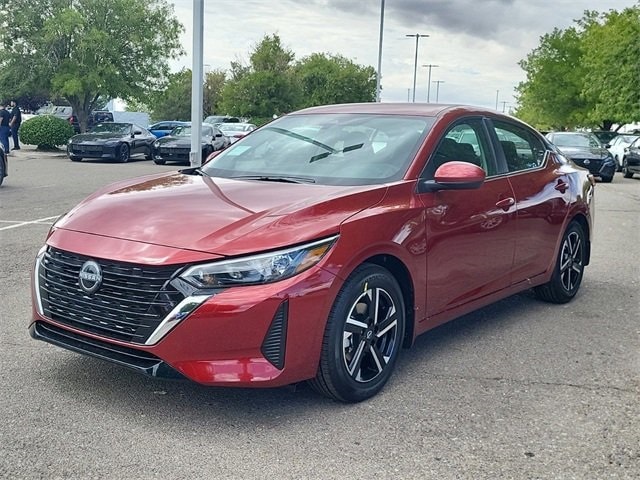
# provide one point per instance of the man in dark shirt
(5, 117)
(14, 123)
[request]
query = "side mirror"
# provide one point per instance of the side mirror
(137, 132)
(454, 175)
(218, 135)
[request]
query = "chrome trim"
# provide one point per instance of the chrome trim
(179, 313)
(36, 279)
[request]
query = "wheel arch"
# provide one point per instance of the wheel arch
(401, 274)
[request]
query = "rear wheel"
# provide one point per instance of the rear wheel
(607, 179)
(123, 153)
(569, 268)
(75, 158)
(363, 336)
(159, 162)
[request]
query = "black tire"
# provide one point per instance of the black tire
(607, 179)
(360, 350)
(625, 169)
(569, 268)
(74, 158)
(159, 162)
(124, 153)
(618, 164)
(149, 156)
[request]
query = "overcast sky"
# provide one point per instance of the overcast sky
(476, 44)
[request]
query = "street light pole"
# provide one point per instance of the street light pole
(379, 75)
(429, 80)
(438, 82)
(415, 64)
(497, 95)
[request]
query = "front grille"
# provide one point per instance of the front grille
(175, 152)
(91, 149)
(129, 305)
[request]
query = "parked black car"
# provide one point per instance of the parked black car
(631, 159)
(3, 165)
(585, 150)
(111, 141)
(176, 146)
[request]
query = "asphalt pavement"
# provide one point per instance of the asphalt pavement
(518, 390)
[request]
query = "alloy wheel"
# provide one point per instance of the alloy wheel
(571, 263)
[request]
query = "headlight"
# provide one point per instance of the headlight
(258, 269)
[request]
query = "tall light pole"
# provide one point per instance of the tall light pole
(379, 75)
(415, 65)
(429, 80)
(438, 82)
(195, 154)
(497, 96)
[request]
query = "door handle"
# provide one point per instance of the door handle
(505, 203)
(561, 186)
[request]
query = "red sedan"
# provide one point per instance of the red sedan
(315, 248)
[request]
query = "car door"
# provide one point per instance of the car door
(470, 233)
(541, 191)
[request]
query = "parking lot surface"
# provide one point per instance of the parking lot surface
(521, 389)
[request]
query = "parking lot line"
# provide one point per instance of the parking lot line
(21, 224)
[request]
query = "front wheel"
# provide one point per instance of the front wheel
(569, 268)
(625, 169)
(363, 336)
(607, 179)
(123, 153)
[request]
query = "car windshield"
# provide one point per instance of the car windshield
(331, 149)
(576, 140)
(185, 131)
(110, 127)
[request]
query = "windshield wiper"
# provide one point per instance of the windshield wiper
(322, 155)
(302, 137)
(274, 178)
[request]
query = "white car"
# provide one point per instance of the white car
(617, 146)
(235, 131)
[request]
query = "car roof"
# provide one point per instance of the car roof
(419, 109)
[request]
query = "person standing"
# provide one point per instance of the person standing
(5, 131)
(14, 123)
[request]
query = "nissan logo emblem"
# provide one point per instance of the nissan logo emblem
(90, 277)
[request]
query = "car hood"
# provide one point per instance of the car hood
(217, 216)
(585, 152)
(93, 137)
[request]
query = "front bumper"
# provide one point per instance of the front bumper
(267, 335)
(92, 151)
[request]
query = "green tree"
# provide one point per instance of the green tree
(83, 50)
(174, 102)
(611, 58)
(266, 86)
(551, 95)
(587, 75)
(328, 79)
(214, 83)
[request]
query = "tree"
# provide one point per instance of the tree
(329, 79)
(550, 97)
(214, 83)
(83, 50)
(266, 86)
(611, 58)
(587, 75)
(174, 102)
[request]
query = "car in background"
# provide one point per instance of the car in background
(631, 159)
(214, 119)
(176, 146)
(235, 131)
(111, 141)
(95, 117)
(585, 150)
(164, 128)
(605, 136)
(618, 146)
(316, 248)
(4, 164)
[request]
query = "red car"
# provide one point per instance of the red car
(315, 248)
